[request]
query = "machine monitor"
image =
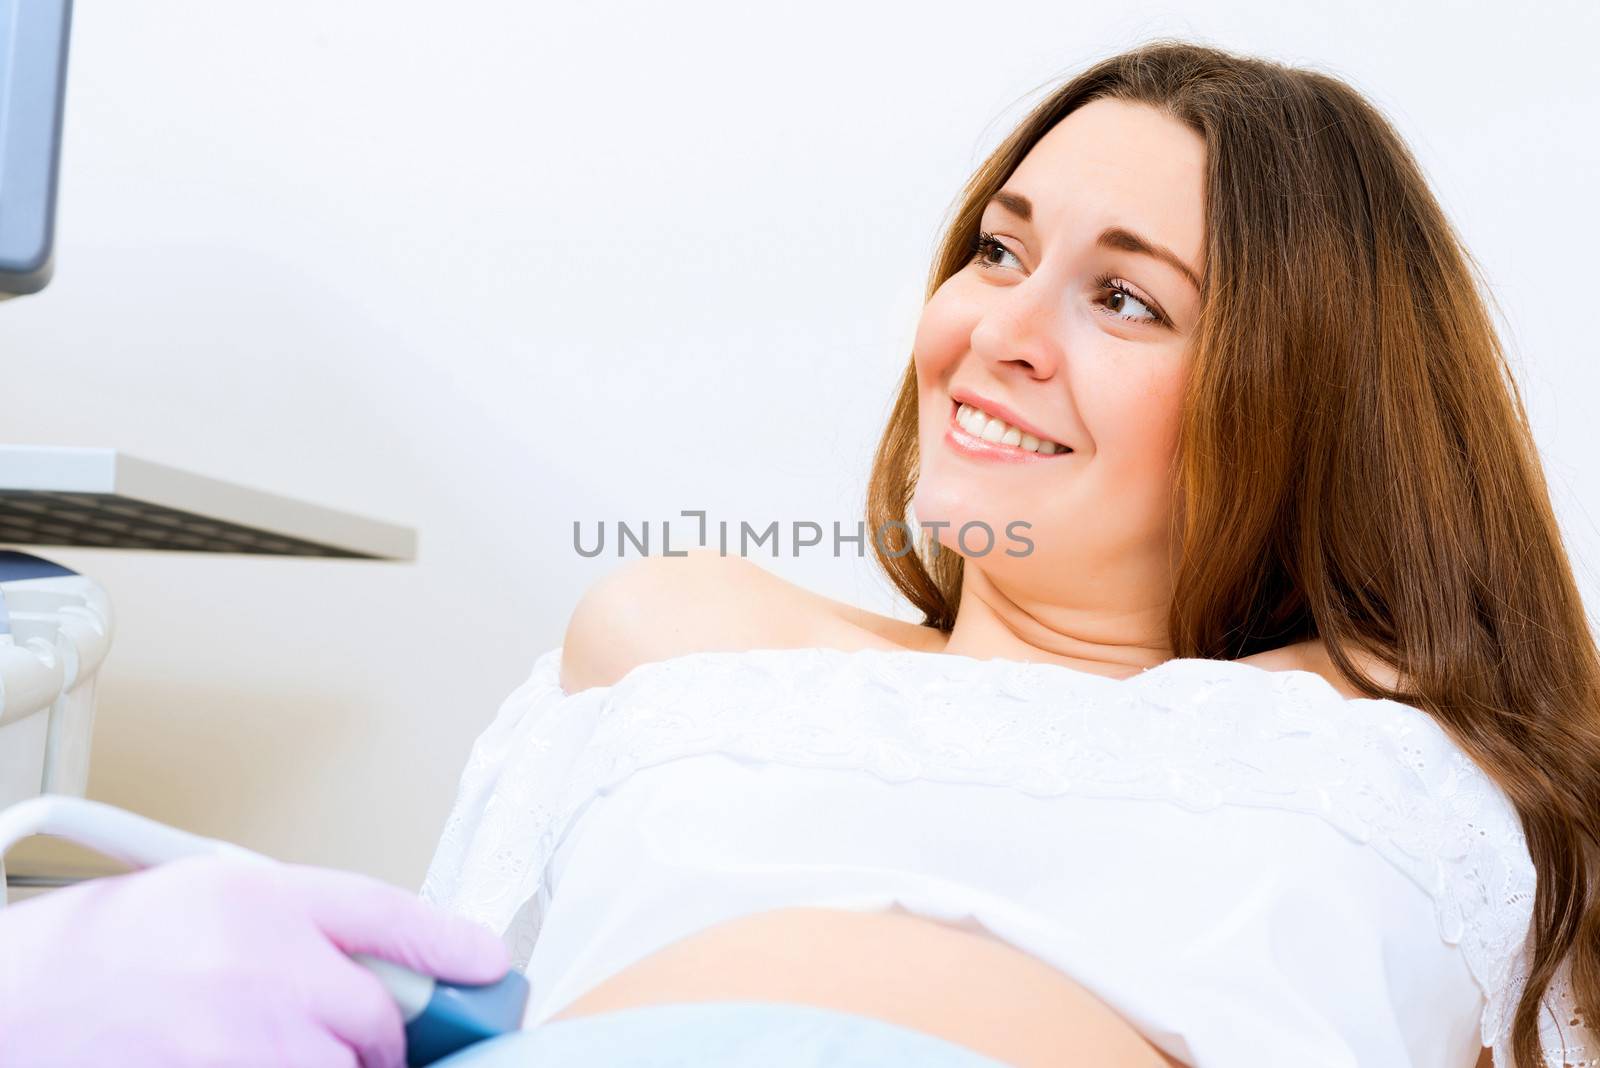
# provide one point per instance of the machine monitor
(33, 69)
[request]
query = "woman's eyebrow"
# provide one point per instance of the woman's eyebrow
(1114, 237)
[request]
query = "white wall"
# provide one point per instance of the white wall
(489, 267)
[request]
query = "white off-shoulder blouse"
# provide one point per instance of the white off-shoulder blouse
(1246, 865)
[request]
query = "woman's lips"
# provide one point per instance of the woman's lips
(968, 444)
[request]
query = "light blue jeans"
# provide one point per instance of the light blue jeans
(720, 1034)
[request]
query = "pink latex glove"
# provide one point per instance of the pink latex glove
(208, 961)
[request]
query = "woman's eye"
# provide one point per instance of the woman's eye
(984, 246)
(1119, 292)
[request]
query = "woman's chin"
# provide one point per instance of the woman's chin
(958, 502)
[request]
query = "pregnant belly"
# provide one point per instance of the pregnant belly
(959, 985)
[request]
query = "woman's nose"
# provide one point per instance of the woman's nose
(1022, 330)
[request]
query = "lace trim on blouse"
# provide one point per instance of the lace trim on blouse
(1193, 732)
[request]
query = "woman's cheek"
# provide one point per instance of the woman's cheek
(943, 334)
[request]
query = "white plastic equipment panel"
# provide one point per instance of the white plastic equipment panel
(104, 498)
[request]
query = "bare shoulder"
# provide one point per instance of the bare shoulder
(657, 607)
(1312, 655)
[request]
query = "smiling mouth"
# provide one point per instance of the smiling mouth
(999, 432)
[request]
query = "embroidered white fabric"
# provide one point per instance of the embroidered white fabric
(1199, 734)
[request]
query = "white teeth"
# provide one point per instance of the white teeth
(989, 428)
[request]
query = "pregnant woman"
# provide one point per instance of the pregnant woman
(1279, 745)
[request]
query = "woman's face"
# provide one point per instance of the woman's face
(1034, 332)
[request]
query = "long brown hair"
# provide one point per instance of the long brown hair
(1354, 461)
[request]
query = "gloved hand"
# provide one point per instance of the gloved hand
(208, 961)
